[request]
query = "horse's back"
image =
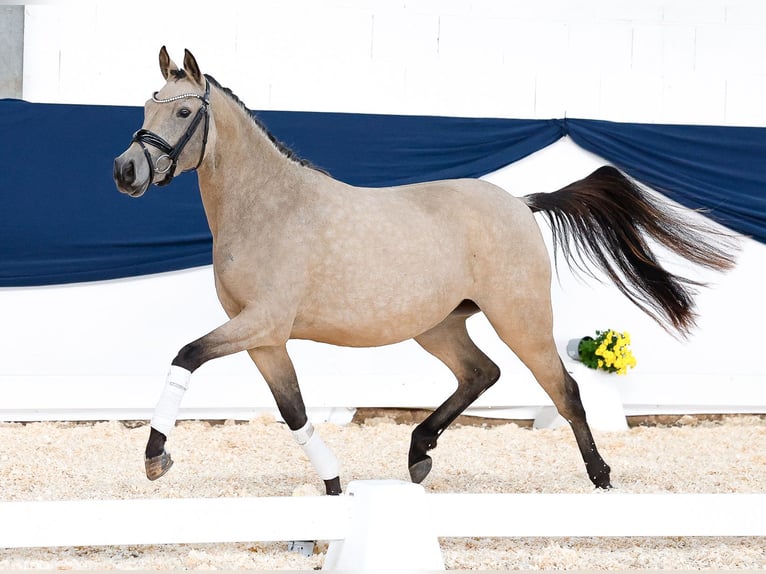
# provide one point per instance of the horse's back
(496, 230)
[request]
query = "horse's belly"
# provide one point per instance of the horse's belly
(357, 333)
(374, 321)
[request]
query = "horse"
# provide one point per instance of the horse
(298, 254)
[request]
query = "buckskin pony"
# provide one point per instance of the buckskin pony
(298, 254)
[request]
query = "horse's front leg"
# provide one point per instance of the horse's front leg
(276, 367)
(244, 331)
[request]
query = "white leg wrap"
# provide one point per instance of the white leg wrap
(321, 457)
(166, 411)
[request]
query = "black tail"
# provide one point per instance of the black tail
(608, 218)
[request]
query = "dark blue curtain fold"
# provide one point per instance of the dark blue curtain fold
(62, 220)
(379, 150)
(719, 169)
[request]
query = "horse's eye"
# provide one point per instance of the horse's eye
(184, 113)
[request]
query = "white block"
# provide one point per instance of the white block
(403, 36)
(744, 101)
(551, 90)
(471, 39)
(695, 11)
(723, 50)
(582, 98)
(631, 97)
(42, 49)
(679, 49)
(745, 12)
(390, 530)
(646, 54)
(600, 46)
(538, 47)
(694, 99)
(619, 11)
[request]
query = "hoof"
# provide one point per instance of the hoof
(420, 470)
(604, 484)
(332, 486)
(158, 466)
(602, 480)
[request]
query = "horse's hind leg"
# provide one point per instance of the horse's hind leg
(537, 350)
(475, 372)
(598, 470)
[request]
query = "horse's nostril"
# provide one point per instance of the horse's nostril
(124, 171)
(130, 172)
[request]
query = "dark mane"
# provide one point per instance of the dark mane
(286, 151)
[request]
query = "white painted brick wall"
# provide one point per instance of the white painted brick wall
(691, 61)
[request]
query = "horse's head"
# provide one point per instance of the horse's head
(177, 113)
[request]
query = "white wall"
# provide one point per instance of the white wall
(650, 61)
(680, 61)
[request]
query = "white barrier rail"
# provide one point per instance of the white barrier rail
(394, 514)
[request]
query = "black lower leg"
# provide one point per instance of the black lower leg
(191, 356)
(156, 444)
(426, 434)
(423, 439)
(598, 470)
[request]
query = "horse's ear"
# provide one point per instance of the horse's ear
(167, 66)
(191, 67)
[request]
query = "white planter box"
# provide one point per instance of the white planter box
(600, 394)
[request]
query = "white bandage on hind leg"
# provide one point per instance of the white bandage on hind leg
(321, 457)
(166, 411)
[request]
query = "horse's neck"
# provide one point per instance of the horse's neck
(242, 168)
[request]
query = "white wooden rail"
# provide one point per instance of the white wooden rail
(402, 523)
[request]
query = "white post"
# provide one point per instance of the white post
(390, 530)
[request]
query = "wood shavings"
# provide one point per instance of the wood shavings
(66, 461)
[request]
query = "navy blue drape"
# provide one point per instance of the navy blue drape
(62, 220)
(378, 150)
(719, 169)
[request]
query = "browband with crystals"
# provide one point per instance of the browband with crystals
(175, 98)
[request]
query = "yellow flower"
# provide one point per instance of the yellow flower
(612, 352)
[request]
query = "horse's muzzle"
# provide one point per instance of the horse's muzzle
(127, 178)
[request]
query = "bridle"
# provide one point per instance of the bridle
(169, 157)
